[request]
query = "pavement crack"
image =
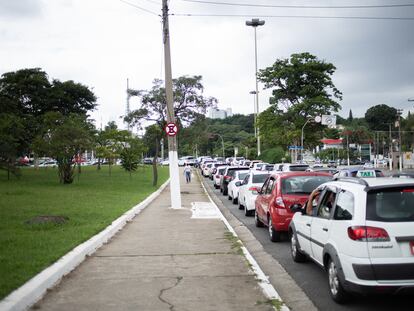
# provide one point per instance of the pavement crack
(171, 306)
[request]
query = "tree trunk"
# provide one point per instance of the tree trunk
(66, 172)
(154, 165)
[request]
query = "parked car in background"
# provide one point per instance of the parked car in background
(248, 190)
(332, 163)
(145, 161)
(258, 166)
(359, 172)
(228, 176)
(361, 231)
(190, 160)
(329, 170)
(206, 169)
(234, 185)
(279, 193)
(267, 167)
(218, 175)
(165, 162)
(287, 167)
(368, 165)
(253, 162)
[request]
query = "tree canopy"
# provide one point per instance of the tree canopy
(189, 102)
(302, 87)
(380, 116)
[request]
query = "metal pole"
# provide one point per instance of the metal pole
(347, 147)
(399, 140)
(172, 140)
(301, 138)
(257, 92)
(390, 151)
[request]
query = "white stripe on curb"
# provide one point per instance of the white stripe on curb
(267, 288)
(34, 289)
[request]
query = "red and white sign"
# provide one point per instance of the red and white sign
(171, 129)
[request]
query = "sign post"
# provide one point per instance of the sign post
(172, 127)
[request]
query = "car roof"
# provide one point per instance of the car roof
(300, 173)
(376, 183)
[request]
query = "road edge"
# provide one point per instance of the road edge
(292, 295)
(34, 289)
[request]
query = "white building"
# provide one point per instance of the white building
(214, 113)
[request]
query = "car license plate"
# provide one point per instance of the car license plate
(412, 247)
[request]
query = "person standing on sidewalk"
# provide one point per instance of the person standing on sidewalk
(187, 173)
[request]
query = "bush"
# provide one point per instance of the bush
(273, 155)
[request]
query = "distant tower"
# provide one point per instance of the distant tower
(127, 103)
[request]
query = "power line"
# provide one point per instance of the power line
(153, 2)
(141, 8)
(304, 6)
(295, 16)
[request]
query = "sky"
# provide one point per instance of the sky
(101, 43)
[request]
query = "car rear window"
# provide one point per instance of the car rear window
(391, 205)
(259, 179)
(298, 168)
(221, 171)
(242, 175)
(302, 184)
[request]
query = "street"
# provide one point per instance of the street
(309, 276)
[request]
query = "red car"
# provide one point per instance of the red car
(278, 193)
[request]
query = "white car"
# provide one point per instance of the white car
(361, 230)
(186, 160)
(165, 162)
(258, 166)
(248, 191)
(233, 187)
(295, 167)
(206, 169)
(216, 177)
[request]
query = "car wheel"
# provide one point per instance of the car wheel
(257, 221)
(335, 287)
(297, 255)
(273, 234)
(247, 212)
(234, 199)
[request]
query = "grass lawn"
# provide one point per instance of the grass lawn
(91, 204)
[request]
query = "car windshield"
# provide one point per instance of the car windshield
(221, 171)
(259, 179)
(391, 205)
(298, 168)
(302, 184)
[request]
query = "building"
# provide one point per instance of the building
(215, 113)
(332, 143)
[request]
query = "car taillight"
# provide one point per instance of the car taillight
(254, 190)
(227, 177)
(368, 234)
(279, 202)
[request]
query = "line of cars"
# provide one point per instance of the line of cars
(355, 225)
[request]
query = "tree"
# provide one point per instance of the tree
(380, 116)
(152, 137)
(302, 88)
(350, 116)
(11, 137)
(63, 137)
(131, 154)
(189, 102)
(28, 95)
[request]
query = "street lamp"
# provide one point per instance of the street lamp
(222, 143)
(255, 112)
(317, 119)
(255, 22)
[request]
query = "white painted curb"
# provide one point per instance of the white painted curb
(34, 289)
(267, 288)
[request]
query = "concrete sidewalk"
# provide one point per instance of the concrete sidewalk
(163, 260)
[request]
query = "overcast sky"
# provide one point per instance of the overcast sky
(101, 43)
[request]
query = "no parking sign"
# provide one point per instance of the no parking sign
(171, 129)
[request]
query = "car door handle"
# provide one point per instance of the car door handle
(325, 229)
(308, 225)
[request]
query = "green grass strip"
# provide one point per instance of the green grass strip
(90, 204)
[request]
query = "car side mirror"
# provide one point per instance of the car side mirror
(238, 183)
(294, 208)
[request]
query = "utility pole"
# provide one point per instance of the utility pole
(172, 140)
(399, 111)
(127, 111)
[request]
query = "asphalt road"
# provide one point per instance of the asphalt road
(309, 276)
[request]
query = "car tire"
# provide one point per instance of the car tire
(336, 289)
(247, 212)
(295, 252)
(257, 221)
(273, 234)
(235, 200)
